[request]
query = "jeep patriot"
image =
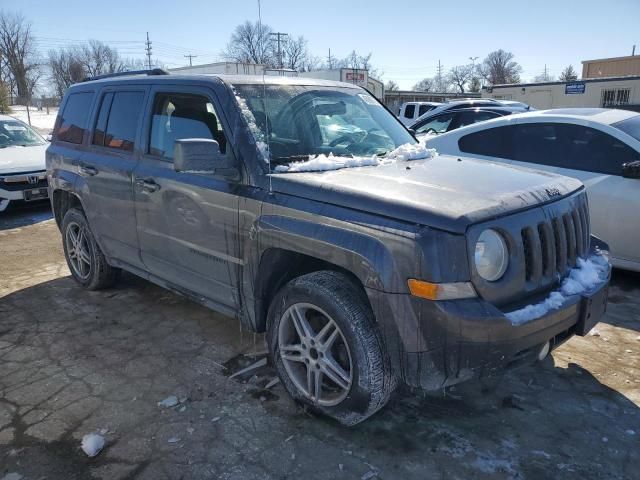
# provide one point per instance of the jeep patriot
(306, 210)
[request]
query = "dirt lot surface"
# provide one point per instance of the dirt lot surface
(74, 362)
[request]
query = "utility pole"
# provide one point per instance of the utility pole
(279, 35)
(546, 74)
(190, 57)
(330, 61)
(148, 49)
(439, 76)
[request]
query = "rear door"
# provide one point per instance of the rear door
(107, 167)
(187, 222)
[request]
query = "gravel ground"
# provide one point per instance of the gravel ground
(74, 363)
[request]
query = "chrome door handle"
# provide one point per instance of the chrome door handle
(148, 185)
(88, 170)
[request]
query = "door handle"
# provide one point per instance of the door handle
(148, 185)
(89, 170)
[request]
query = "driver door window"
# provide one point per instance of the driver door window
(179, 115)
(438, 124)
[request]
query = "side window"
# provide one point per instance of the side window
(469, 118)
(182, 115)
(75, 117)
(409, 111)
(437, 124)
(122, 120)
(423, 109)
(101, 121)
(492, 142)
(595, 151)
(540, 143)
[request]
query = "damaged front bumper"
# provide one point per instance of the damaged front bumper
(470, 338)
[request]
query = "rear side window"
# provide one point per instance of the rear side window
(409, 111)
(438, 124)
(467, 118)
(492, 142)
(74, 118)
(540, 143)
(117, 121)
(424, 109)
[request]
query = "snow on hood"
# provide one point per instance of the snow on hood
(322, 162)
(17, 159)
(585, 276)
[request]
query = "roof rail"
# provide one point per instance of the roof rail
(153, 71)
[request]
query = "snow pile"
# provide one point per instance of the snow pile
(585, 276)
(92, 444)
(258, 134)
(170, 401)
(39, 119)
(322, 162)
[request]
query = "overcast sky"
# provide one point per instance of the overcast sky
(406, 38)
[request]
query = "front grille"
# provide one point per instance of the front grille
(552, 247)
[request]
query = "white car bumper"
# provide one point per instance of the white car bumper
(23, 186)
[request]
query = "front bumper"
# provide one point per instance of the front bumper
(23, 187)
(463, 339)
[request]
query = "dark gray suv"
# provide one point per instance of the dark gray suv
(303, 208)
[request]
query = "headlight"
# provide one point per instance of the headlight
(492, 256)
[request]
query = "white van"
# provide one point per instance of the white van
(410, 111)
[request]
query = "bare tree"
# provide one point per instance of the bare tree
(391, 86)
(500, 67)
(17, 46)
(424, 85)
(459, 76)
(568, 74)
(66, 68)
(98, 58)
(295, 53)
(250, 43)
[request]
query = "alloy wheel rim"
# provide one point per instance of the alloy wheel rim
(78, 250)
(315, 354)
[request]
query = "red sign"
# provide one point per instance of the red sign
(353, 76)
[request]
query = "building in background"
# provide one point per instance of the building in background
(349, 75)
(611, 67)
(395, 98)
(226, 68)
(613, 92)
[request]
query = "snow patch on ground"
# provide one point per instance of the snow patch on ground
(318, 163)
(170, 401)
(585, 276)
(39, 119)
(92, 444)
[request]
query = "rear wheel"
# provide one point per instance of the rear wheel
(86, 261)
(326, 347)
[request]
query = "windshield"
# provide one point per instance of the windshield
(17, 134)
(303, 122)
(630, 126)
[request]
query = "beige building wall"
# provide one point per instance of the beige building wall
(553, 95)
(611, 67)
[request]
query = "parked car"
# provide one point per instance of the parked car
(456, 104)
(513, 103)
(22, 163)
(600, 147)
(362, 276)
(410, 111)
(449, 120)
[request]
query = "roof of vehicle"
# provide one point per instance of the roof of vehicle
(487, 108)
(228, 79)
(422, 103)
(606, 116)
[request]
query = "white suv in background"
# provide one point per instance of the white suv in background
(411, 111)
(22, 163)
(600, 147)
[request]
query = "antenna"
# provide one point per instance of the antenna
(264, 104)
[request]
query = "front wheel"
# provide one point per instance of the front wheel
(327, 349)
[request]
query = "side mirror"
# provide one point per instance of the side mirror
(631, 169)
(203, 156)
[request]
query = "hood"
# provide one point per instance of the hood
(449, 193)
(22, 159)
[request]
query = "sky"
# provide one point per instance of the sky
(406, 38)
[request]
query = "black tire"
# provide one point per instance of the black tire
(372, 381)
(99, 274)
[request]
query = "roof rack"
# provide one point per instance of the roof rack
(153, 71)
